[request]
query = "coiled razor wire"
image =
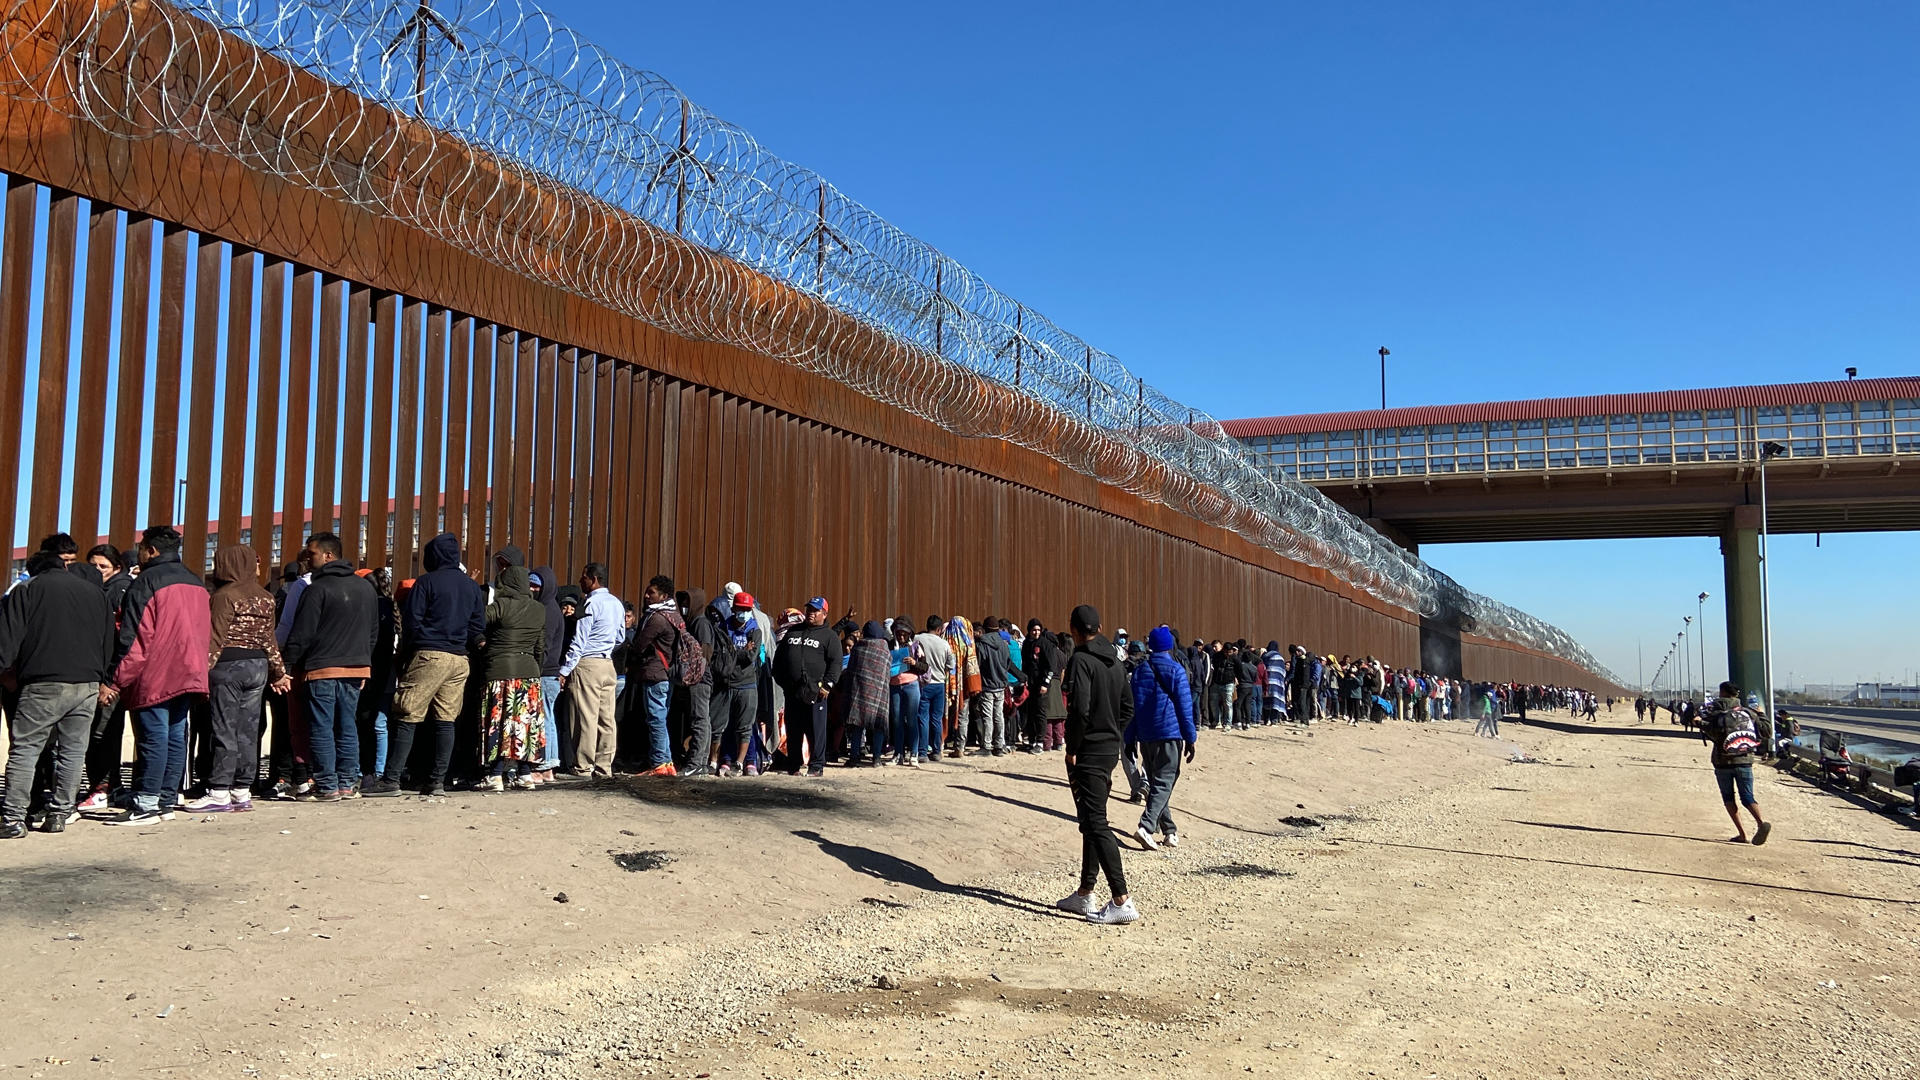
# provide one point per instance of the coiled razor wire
(496, 129)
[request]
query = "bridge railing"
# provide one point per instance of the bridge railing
(1862, 429)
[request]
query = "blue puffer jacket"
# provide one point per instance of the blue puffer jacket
(1157, 714)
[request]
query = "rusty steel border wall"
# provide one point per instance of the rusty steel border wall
(534, 416)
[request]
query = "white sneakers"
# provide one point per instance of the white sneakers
(1146, 837)
(1080, 904)
(1173, 839)
(1111, 914)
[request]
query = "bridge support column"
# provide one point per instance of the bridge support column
(1746, 639)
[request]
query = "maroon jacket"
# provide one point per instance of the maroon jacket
(166, 630)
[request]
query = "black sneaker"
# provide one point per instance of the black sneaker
(379, 788)
(138, 818)
(12, 830)
(697, 771)
(816, 771)
(54, 823)
(435, 791)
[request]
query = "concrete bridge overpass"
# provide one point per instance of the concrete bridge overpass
(1668, 463)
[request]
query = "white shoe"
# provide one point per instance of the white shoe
(491, 783)
(1115, 914)
(1172, 840)
(1146, 837)
(1080, 904)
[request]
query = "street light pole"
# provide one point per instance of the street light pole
(1383, 376)
(1686, 656)
(1768, 452)
(1701, 610)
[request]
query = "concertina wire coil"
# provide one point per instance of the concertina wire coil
(521, 143)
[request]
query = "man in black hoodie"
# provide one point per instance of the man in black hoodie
(441, 624)
(57, 637)
(330, 647)
(1099, 705)
(807, 665)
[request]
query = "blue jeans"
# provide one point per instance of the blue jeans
(160, 755)
(379, 742)
(658, 695)
(332, 734)
(1738, 779)
(933, 716)
(905, 728)
(550, 695)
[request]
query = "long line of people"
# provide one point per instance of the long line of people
(364, 686)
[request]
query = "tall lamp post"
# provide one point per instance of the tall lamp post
(1383, 375)
(1686, 654)
(1701, 610)
(1768, 452)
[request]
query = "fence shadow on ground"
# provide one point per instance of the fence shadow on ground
(744, 795)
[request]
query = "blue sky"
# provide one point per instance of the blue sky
(1244, 201)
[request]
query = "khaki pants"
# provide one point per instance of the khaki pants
(433, 680)
(594, 731)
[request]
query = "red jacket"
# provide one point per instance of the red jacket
(166, 629)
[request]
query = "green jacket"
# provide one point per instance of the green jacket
(516, 640)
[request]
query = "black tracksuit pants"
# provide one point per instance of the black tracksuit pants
(1091, 778)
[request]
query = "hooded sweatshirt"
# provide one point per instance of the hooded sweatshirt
(1099, 703)
(516, 634)
(242, 612)
(707, 622)
(58, 630)
(446, 611)
(334, 630)
(995, 659)
(556, 623)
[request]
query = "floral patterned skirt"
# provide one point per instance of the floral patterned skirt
(515, 716)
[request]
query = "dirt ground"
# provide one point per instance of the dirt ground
(1454, 915)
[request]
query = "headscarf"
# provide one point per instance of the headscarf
(966, 659)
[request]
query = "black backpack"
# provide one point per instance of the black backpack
(687, 664)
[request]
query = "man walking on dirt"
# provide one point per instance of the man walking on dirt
(1729, 729)
(1099, 705)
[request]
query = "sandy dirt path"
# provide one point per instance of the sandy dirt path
(1457, 916)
